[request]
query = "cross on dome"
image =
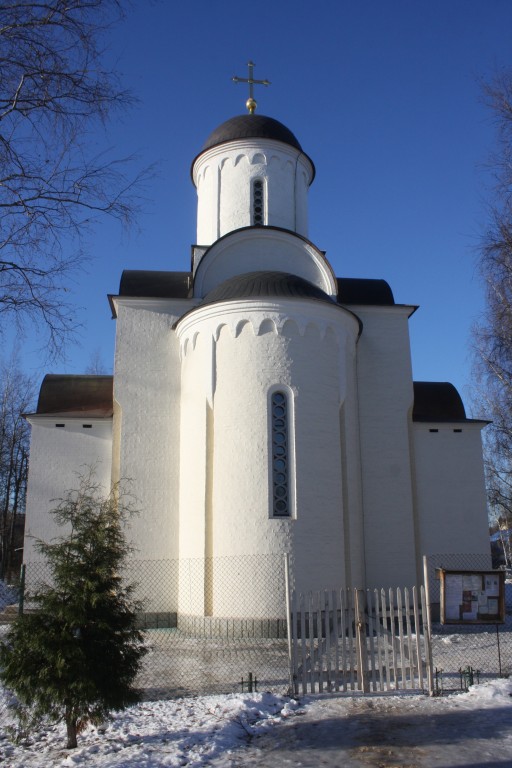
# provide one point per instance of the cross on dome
(251, 102)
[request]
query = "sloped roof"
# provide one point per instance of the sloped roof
(437, 401)
(72, 395)
(177, 285)
(154, 284)
(357, 290)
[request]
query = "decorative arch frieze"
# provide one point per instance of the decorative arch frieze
(253, 158)
(260, 324)
(234, 161)
(258, 159)
(267, 326)
(241, 325)
(203, 175)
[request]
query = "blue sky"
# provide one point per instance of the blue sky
(384, 96)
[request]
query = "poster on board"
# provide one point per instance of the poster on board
(472, 597)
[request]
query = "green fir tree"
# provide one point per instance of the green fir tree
(75, 655)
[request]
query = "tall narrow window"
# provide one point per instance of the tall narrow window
(280, 455)
(258, 203)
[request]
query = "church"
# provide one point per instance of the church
(262, 405)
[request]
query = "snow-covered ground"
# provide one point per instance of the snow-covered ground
(265, 730)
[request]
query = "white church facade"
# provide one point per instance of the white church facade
(261, 405)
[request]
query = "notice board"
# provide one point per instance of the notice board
(472, 597)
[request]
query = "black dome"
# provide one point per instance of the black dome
(248, 127)
(270, 284)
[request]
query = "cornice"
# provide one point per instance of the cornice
(174, 307)
(46, 418)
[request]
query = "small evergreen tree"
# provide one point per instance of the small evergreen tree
(75, 657)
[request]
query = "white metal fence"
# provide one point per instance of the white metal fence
(336, 640)
(365, 640)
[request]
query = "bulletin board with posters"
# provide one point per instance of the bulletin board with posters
(472, 597)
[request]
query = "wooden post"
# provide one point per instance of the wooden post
(400, 618)
(290, 619)
(346, 639)
(417, 630)
(336, 635)
(392, 616)
(312, 655)
(303, 643)
(21, 602)
(381, 640)
(327, 630)
(408, 637)
(362, 655)
(427, 627)
(371, 634)
(387, 635)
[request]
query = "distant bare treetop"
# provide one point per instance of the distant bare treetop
(54, 89)
(96, 365)
(493, 336)
(498, 96)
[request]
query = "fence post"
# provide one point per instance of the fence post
(427, 626)
(289, 624)
(362, 654)
(22, 590)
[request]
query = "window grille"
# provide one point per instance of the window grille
(258, 207)
(280, 455)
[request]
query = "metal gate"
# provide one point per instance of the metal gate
(359, 640)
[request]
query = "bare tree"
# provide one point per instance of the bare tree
(96, 364)
(494, 334)
(17, 394)
(54, 90)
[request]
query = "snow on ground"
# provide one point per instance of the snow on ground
(265, 730)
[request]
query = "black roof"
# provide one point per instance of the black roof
(248, 127)
(356, 290)
(71, 395)
(153, 284)
(437, 401)
(270, 284)
(178, 285)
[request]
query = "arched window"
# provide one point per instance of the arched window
(258, 202)
(281, 506)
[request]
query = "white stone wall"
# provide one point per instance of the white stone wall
(294, 345)
(385, 402)
(58, 455)
(223, 177)
(147, 394)
(450, 489)
(355, 571)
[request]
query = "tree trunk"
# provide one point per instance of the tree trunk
(71, 730)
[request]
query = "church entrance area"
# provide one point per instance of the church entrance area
(368, 641)
(280, 640)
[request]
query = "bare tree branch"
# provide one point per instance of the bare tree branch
(54, 90)
(17, 396)
(493, 335)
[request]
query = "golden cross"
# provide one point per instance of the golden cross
(250, 103)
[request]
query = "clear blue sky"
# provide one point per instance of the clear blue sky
(384, 96)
